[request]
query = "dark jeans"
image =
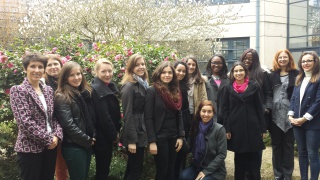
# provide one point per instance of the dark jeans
(308, 141)
(134, 164)
(250, 162)
(190, 173)
(78, 161)
(37, 166)
(103, 161)
(165, 158)
(282, 152)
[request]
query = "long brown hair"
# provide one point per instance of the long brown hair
(173, 87)
(196, 74)
(131, 64)
(291, 65)
(315, 71)
(65, 88)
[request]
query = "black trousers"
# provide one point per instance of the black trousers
(134, 164)
(282, 152)
(103, 161)
(165, 158)
(250, 162)
(180, 164)
(37, 166)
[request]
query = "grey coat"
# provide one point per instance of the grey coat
(134, 129)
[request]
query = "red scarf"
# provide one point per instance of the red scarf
(168, 100)
(240, 88)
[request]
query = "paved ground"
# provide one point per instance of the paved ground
(266, 169)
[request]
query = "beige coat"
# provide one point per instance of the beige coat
(199, 93)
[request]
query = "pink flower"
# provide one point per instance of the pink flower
(68, 57)
(15, 71)
(108, 53)
(2, 106)
(120, 144)
(118, 57)
(121, 115)
(120, 74)
(104, 42)
(123, 69)
(80, 45)
(94, 45)
(26, 52)
(1, 53)
(77, 54)
(7, 91)
(150, 62)
(130, 52)
(173, 55)
(64, 60)
(54, 49)
(166, 59)
(10, 65)
(3, 59)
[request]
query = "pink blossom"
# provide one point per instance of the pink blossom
(166, 59)
(173, 55)
(3, 59)
(120, 144)
(80, 45)
(108, 53)
(2, 106)
(120, 74)
(118, 57)
(121, 115)
(10, 65)
(150, 62)
(104, 42)
(26, 52)
(94, 45)
(15, 71)
(7, 91)
(1, 53)
(123, 69)
(68, 57)
(64, 60)
(77, 54)
(54, 49)
(130, 52)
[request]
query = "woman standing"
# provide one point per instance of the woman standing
(216, 72)
(304, 114)
(181, 69)
(52, 70)
(282, 81)
(209, 146)
(244, 122)
(107, 122)
(38, 131)
(76, 116)
(133, 92)
(163, 119)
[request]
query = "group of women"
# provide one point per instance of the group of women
(182, 111)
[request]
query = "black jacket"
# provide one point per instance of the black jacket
(154, 113)
(134, 129)
(275, 80)
(107, 110)
(243, 118)
(72, 121)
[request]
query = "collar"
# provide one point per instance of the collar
(102, 89)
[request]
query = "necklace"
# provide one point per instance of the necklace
(215, 77)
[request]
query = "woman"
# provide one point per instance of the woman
(38, 131)
(208, 156)
(244, 122)
(133, 92)
(197, 91)
(282, 80)
(216, 72)
(304, 114)
(163, 119)
(51, 75)
(181, 69)
(74, 112)
(107, 122)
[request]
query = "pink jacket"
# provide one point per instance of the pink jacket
(30, 116)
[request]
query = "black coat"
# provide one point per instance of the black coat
(243, 118)
(154, 113)
(107, 110)
(275, 80)
(134, 129)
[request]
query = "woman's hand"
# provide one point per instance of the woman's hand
(200, 176)
(291, 119)
(179, 144)
(132, 148)
(54, 143)
(153, 148)
(264, 135)
(93, 141)
(299, 121)
(228, 135)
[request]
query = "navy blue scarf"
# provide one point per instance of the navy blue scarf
(200, 144)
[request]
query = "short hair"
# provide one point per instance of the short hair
(238, 63)
(291, 65)
(34, 57)
(223, 72)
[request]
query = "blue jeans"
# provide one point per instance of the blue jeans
(190, 173)
(308, 141)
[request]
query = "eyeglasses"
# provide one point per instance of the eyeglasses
(306, 61)
(216, 63)
(247, 59)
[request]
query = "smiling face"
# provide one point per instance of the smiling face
(307, 62)
(34, 71)
(139, 68)
(180, 71)
(283, 60)
(206, 114)
(166, 75)
(75, 77)
(53, 68)
(216, 65)
(239, 74)
(105, 72)
(191, 66)
(248, 60)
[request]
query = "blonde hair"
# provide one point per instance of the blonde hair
(99, 63)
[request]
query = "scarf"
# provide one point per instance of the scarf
(142, 82)
(240, 88)
(200, 144)
(168, 99)
(52, 82)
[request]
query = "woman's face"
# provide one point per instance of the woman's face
(283, 59)
(206, 114)
(166, 75)
(105, 73)
(239, 73)
(248, 60)
(216, 65)
(307, 62)
(191, 66)
(53, 68)
(75, 77)
(180, 71)
(34, 71)
(140, 67)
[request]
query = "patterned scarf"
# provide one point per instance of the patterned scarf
(144, 83)
(168, 99)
